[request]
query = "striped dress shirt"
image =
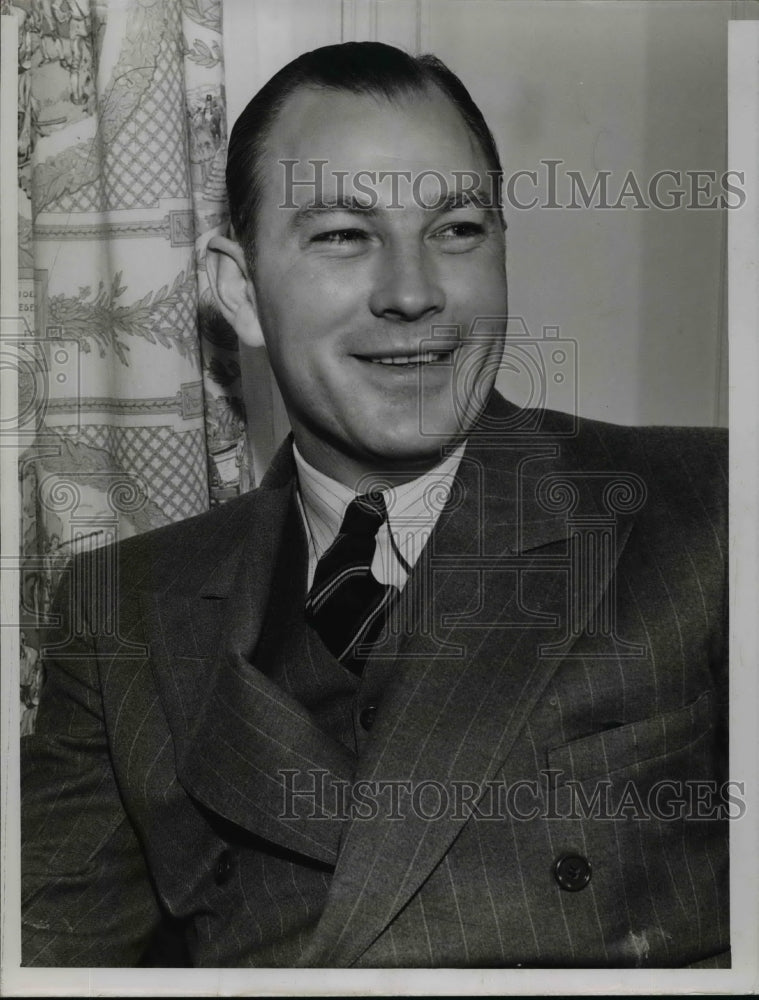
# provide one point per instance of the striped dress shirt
(413, 510)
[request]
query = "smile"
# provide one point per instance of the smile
(408, 360)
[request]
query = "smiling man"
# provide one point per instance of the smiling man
(366, 274)
(449, 688)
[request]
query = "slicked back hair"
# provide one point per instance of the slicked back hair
(357, 67)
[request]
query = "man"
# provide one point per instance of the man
(448, 688)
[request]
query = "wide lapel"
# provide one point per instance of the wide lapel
(498, 568)
(244, 748)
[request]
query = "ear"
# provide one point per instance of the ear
(232, 288)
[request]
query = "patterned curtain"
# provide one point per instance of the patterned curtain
(129, 385)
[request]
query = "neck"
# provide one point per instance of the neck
(360, 476)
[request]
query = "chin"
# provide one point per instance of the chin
(410, 453)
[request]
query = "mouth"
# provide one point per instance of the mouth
(409, 360)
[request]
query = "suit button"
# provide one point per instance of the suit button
(572, 872)
(224, 867)
(366, 716)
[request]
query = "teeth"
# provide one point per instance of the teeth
(414, 359)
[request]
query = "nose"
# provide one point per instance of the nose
(407, 287)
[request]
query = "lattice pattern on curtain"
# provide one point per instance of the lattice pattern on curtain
(132, 390)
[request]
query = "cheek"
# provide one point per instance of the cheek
(308, 304)
(477, 289)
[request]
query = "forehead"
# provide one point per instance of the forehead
(358, 134)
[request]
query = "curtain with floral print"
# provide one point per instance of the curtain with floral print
(130, 403)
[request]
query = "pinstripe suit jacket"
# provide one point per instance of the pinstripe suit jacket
(557, 676)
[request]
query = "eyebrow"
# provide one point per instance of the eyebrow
(467, 199)
(353, 205)
(348, 203)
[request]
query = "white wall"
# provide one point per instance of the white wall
(619, 86)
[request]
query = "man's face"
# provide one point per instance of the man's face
(356, 274)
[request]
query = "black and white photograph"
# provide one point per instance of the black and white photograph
(380, 527)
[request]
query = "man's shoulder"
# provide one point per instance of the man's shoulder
(184, 550)
(702, 445)
(207, 523)
(679, 467)
(645, 435)
(657, 447)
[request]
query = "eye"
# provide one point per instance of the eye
(460, 231)
(341, 237)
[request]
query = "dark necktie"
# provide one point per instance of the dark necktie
(346, 604)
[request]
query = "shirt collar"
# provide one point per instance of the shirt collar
(413, 507)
